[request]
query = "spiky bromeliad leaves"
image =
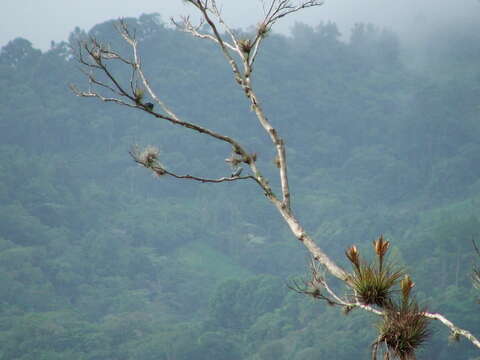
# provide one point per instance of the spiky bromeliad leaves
(373, 282)
(403, 328)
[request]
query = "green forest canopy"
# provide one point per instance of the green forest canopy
(100, 260)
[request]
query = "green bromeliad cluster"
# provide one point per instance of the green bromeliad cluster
(403, 328)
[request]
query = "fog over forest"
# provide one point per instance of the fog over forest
(44, 21)
(100, 259)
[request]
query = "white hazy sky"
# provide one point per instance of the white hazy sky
(41, 21)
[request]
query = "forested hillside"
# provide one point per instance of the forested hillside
(100, 260)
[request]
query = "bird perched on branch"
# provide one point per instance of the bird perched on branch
(148, 106)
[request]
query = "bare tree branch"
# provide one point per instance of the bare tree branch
(77, 92)
(99, 54)
(149, 159)
(316, 286)
(278, 10)
(454, 329)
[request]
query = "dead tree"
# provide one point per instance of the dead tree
(240, 53)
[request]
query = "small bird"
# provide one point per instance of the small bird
(149, 106)
(237, 172)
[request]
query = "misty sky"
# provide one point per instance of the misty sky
(41, 21)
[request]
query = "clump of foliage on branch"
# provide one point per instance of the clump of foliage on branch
(403, 328)
(372, 283)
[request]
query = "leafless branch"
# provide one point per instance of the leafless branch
(149, 159)
(281, 8)
(453, 328)
(278, 10)
(98, 56)
(273, 12)
(317, 287)
(78, 92)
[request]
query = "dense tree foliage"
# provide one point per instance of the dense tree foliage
(99, 260)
